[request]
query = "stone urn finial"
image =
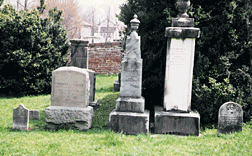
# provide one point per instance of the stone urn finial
(134, 23)
(182, 6)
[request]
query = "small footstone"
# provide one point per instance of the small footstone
(20, 118)
(230, 118)
(34, 114)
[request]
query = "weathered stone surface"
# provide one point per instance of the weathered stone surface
(34, 114)
(70, 87)
(21, 118)
(94, 104)
(178, 76)
(176, 123)
(130, 105)
(131, 74)
(92, 78)
(230, 118)
(131, 80)
(129, 122)
(116, 86)
(79, 53)
(182, 22)
(182, 32)
(68, 117)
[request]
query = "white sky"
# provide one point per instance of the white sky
(99, 5)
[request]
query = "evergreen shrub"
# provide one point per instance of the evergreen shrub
(31, 46)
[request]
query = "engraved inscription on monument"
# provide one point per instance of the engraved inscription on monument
(230, 118)
(70, 88)
(179, 74)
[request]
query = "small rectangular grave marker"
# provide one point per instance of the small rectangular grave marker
(20, 118)
(34, 114)
(230, 118)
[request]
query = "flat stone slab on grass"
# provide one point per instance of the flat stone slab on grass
(177, 123)
(20, 118)
(129, 122)
(57, 117)
(230, 118)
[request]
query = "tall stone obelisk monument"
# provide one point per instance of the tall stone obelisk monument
(130, 117)
(177, 116)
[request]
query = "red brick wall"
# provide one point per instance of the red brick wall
(104, 58)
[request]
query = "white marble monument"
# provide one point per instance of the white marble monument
(176, 116)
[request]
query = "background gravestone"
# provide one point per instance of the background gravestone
(69, 99)
(20, 118)
(230, 118)
(79, 58)
(79, 53)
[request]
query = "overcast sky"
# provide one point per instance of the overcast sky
(99, 5)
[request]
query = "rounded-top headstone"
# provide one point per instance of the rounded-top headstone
(230, 118)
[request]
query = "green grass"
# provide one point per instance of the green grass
(100, 141)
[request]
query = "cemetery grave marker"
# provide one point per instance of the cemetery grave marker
(230, 118)
(20, 118)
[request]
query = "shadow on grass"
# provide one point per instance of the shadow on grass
(102, 90)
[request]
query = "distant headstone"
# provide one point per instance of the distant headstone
(69, 99)
(79, 53)
(230, 118)
(34, 114)
(20, 118)
(117, 83)
(92, 78)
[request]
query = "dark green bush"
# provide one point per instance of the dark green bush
(31, 48)
(222, 63)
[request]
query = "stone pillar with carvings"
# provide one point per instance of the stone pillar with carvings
(176, 117)
(130, 116)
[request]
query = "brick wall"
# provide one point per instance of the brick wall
(104, 58)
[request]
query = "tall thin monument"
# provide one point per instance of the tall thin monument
(177, 116)
(130, 117)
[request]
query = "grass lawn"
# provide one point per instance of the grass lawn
(100, 141)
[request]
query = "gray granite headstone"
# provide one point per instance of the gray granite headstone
(34, 114)
(20, 118)
(230, 118)
(69, 100)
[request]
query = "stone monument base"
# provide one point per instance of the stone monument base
(57, 117)
(129, 122)
(94, 104)
(116, 86)
(176, 123)
(127, 104)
